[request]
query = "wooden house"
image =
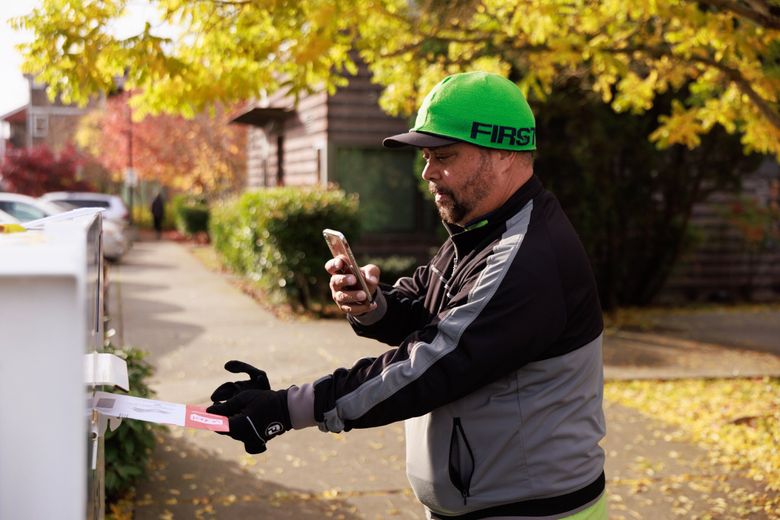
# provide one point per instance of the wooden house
(337, 139)
(42, 121)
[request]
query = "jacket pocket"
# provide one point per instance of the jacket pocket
(461, 460)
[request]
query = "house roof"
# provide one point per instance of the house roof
(17, 115)
(261, 116)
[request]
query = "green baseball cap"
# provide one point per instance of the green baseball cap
(474, 107)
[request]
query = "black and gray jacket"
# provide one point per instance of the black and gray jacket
(497, 368)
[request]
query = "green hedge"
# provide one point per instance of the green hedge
(232, 236)
(274, 236)
(128, 448)
(190, 214)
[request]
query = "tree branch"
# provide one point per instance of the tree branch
(228, 2)
(403, 50)
(757, 11)
(764, 107)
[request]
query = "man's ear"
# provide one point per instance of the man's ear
(505, 159)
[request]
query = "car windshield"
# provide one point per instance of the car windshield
(22, 210)
(85, 203)
(6, 218)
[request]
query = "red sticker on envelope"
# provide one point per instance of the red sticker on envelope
(197, 417)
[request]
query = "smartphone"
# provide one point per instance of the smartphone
(339, 247)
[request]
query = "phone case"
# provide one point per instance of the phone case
(338, 245)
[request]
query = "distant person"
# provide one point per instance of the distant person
(158, 213)
(495, 360)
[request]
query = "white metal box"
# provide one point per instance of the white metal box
(51, 301)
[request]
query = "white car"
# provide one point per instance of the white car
(5, 218)
(25, 209)
(114, 206)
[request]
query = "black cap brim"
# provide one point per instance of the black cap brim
(417, 139)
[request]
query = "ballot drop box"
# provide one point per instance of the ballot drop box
(51, 332)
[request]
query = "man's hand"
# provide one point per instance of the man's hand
(352, 300)
(255, 417)
(257, 381)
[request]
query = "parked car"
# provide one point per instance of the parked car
(115, 208)
(25, 209)
(5, 218)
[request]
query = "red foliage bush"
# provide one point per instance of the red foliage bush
(35, 171)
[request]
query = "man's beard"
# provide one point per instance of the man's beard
(454, 209)
(450, 210)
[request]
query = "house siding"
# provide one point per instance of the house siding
(720, 267)
(256, 158)
(304, 132)
(61, 120)
(350, 118)
(355, 118)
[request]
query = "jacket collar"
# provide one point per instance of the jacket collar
(466, 238)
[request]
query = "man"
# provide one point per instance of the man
(497, 369)
(158, 212)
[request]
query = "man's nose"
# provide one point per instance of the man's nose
(429, 172)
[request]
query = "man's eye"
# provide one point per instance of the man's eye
(443, 158)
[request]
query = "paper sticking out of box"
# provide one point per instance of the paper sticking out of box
(152, 410)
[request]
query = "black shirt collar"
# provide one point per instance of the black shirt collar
(515, 203)
(466, 238)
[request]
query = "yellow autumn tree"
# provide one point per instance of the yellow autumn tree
(723, 54)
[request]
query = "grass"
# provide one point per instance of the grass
(737, 421)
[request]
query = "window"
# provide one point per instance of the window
(280, 160)
(386, 184)
(85, 203)
(21, 211)
(40, 125)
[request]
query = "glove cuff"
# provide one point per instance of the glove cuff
(285, 417)
(300, 403)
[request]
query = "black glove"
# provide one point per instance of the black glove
(255, 417)
(257, 381)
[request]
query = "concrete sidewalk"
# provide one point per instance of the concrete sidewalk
(192, 320)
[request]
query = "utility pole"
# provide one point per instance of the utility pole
(130, 177)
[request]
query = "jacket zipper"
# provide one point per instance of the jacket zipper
(443, 279)
(460, 475)
(454, 269)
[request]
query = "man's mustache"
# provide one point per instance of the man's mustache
(436, 190)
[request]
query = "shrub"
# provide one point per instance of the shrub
(275, 237)
(142, 217)
(191, 215)
(630, 200)
(128, 448)
(34, 171)
(232, 236)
